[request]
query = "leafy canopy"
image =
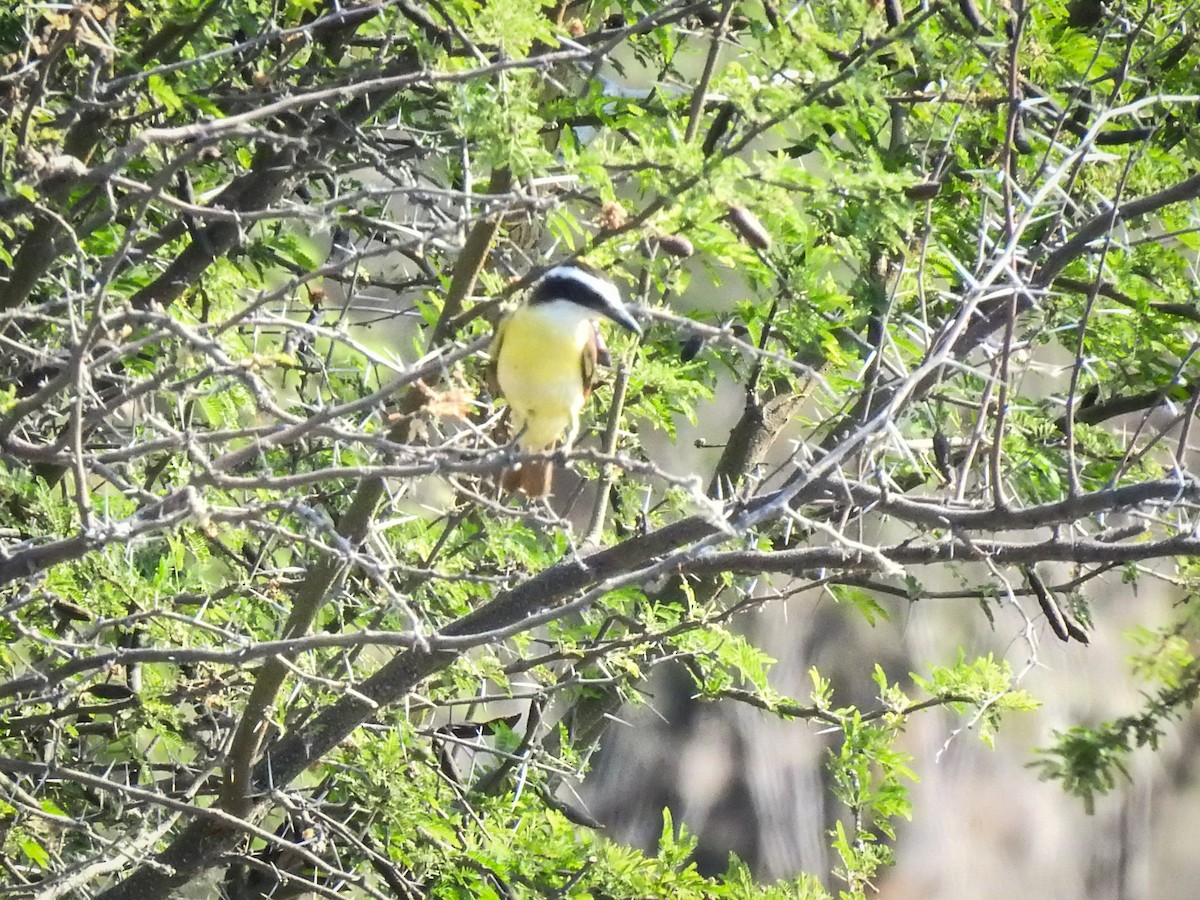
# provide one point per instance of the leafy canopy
(264, 611)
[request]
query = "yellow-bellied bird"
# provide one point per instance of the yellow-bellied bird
(544, 363)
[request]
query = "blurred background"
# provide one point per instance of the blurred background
(983, 824)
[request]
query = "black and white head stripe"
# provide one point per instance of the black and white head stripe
(577, 285)
(587, 289)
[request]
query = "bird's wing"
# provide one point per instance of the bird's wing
(493, 382)
(593, 351)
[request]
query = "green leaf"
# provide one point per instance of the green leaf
(164, 94)
(36, 853)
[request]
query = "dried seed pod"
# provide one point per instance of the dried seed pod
(895, 13)
(109, 691)
(1085, 13)
(941, 455)
(675, 245)
(907, 481)
(718, 128)
(691, 348)
(1020, 140)
(1076, 632)
(971, 14)
(1121, 532)
(475, 729)
(70, 612)
(1077, 122)
(748, 226)
(1058, 622)
(925, 190)
(1177, 53)
(1124, 136)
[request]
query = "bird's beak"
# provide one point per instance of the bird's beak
(619, 314)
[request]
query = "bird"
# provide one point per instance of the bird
(543, 361)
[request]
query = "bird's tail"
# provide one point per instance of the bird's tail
(530, 478)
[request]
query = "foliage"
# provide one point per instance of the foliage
(263, 609)
(1089, 760)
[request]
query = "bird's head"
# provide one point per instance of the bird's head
(586, 288)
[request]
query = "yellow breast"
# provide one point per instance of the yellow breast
(539, 368)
